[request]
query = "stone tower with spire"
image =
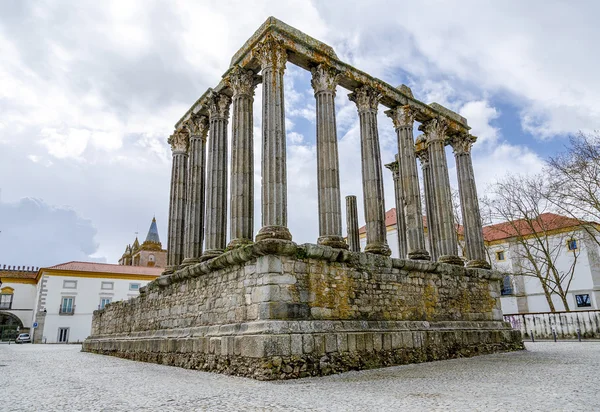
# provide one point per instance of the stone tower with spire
(150, 253)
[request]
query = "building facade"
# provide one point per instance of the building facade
(570, 243)
(69, 293)
(149, 254)
(17, 297)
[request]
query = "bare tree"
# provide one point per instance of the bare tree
(522, 204)
(574, 177)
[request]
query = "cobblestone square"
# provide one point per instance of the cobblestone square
(548, 376)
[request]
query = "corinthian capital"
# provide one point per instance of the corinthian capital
(462, 143)
(366, 98)
(242, 81)
(271, 53)
(198, 126)
(421, 150)
(324, 78)
(218, 105)
(179, 141)
(402, 116)
(434, 129)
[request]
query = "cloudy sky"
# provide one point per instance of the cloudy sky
(90, 91)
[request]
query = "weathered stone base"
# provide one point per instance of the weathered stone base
(295, 349)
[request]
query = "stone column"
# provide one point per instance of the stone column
(352, 223)
(194, 214)
(323, 82)
(242, 83)
(399, 196)
(447, 246)
(272, 57)
(423, 155)
(179, 145)
(403, 118)
(366, 100)
(216, 178)
(469, 203)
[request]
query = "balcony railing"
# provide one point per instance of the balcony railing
(6, 305)
(66, 310)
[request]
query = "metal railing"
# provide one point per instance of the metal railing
(66, 310)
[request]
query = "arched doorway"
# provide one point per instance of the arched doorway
(9, 324)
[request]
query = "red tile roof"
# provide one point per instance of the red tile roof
(107, 268)
(505, 230)
(17, 274)
(545, 222)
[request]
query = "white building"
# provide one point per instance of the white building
(17, 297)
(69, 293)
(568, 240)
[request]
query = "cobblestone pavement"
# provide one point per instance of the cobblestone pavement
(548, 376)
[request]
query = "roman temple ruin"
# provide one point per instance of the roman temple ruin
(265, 307)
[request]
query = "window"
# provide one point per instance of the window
(134, 286)
(69, 284)
(506, 286)
(6, 300)
(583, 300)
(500, 255)
(104, 302)
(572, 244)
(107, 286)
(151, 258)
(67, 306)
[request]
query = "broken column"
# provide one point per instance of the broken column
(352, 224)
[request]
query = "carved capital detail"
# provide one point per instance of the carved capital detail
(462, 144)
(366, 98)
(402, 116)
(422, 151)
(435, 129)
(395, 168)
(198, 126)
(218, 105)
(242, 81)
(271, 53)
(179, 141)
(324, 78)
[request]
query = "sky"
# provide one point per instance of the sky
(90, 92)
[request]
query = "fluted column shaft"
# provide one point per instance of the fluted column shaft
(435, 132)
(194, 214)
(366, 100)
(399, 198)
(403, 118)
(179, 145)
(471, 214)
(352, 224)
(328, 178)
(429, 194)
(242, 83)
(216, 178)
(272, 57)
